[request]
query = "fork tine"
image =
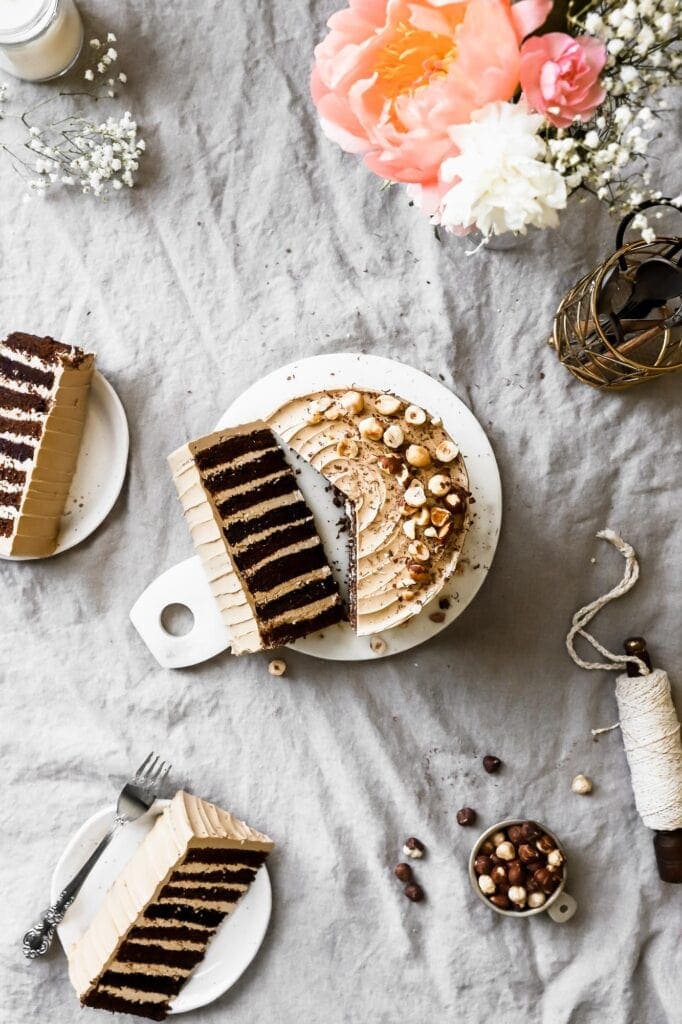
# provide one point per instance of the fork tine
(139, 774)
(157, 775)
(162, 777)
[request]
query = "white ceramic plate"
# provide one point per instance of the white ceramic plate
(345, 370)
(186, 583)
(100, 471)
(234, 945)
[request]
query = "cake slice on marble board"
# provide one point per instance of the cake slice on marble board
(157, 920)
(44, 388)
(256, 536)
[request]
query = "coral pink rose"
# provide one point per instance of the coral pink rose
(560, 76)
(393, 75)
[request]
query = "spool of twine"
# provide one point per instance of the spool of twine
(651, 737)
(647, 717)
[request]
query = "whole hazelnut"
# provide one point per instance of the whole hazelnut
(277, 667)
(516, 874)
(353, 401)
(530, 830)
(419, 550)
(403, 872)
(439, 484)
(454, 501)
(555, 858)
(486, 884)
(393, 436)
(414, 892)
(415, 415)
(415, 496)
(447, 451)
(482, 865)
(498, 874)
(414, 848)
(514, 833)
(491, 764)
(487, 847)
(466, 816)
(501, 901)
(417, 572)
(371, 429)
(387, 405)
(417, 455)
(314, 417)
(546, 881)
(506, 851)
(377, 644)
(517, 894)
(391, 464)
(347, 448)
(536, 899)
(531, 884)
(527, 853)
(497, 838)
(533, 865)
(544, 844)
(334, 413)
(582, 785)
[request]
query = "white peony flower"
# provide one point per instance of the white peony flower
(500, 180)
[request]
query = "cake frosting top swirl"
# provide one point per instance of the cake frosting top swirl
(407, 484)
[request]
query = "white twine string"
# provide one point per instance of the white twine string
(648, 721)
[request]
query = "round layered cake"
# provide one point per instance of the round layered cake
(406, 488)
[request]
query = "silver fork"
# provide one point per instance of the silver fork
(135, 798)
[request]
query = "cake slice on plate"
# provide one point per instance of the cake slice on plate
(44, 389)
(157, 920)
(256, 536)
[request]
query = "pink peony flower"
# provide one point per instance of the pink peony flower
(560, 76)
(393, 75)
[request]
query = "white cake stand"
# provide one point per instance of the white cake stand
(186, 583)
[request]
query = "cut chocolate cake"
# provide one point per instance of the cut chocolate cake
(43, 400)
(256, 536)
(157, 920)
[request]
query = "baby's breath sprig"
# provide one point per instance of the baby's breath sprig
(607, 156)
(97, 157)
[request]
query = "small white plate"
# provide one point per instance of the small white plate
(100, 471)
(231, 950)
(186, 582)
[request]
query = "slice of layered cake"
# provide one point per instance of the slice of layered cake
(157, 920)
(256, 537)
(43, 401)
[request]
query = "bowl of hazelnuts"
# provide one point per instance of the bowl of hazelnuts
(518, 868)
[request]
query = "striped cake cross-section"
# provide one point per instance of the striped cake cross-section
(43, 400)
(157, 920)
(256, 537)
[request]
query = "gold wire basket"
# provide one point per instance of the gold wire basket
(587, 346)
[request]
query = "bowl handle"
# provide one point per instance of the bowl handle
(563, 908)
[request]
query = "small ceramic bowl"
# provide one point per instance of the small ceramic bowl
(560, 906)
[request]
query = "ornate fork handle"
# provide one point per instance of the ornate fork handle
(38, 939)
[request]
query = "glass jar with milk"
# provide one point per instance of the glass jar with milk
(39, 39)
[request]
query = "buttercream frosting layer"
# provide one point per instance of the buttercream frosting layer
(382, 452)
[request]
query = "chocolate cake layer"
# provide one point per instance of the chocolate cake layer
(280, 538)
(308, 592)
(20, 428)
(13, 370)
(264, 465)
(215, 855)
(10, 475)
(99, 1000)
(166, 984)
(162, 932)
(233, 448)
(238, 876)
(210, 893)
(183, 912)
(240, 530)
(16, 450)
(288, 632)
(274, 488)
(46, 349)
(142, 953)
(6, 527)
(26, 401)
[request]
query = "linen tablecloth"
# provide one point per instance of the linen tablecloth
(252, 241)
